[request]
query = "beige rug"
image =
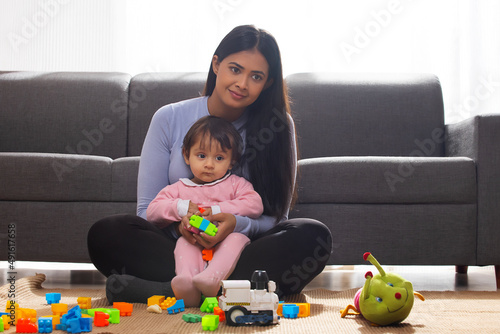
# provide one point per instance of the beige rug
(442, 312)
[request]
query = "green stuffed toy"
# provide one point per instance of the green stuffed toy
(385, 299)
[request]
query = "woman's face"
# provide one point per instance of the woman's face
(241, 77)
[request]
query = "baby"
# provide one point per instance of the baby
(211, 148)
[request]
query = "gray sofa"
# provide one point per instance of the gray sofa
(377, 163)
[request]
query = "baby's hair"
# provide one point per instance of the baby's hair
(218, 129)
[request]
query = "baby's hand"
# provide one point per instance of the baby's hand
(206, 211)
(193, 208)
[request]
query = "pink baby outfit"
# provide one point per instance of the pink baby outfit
(231, 194)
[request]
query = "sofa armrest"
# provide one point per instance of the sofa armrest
(479, 139)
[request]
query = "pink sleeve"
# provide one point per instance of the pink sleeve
(246, 201)
(162, 211)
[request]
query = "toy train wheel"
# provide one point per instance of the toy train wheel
(269, 319)
(233, 313)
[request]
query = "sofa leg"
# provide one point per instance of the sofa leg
(497, 275)
(461, 269)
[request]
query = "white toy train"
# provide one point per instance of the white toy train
(246, 302)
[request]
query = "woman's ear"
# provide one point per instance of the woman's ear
(215, 64)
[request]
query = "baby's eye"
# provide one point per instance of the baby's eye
(219, 158)
(378, 299)
(390, 284)
(201, 156)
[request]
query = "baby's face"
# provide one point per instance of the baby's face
(208, 161)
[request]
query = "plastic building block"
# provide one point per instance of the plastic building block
(114, 314)
(177, 307)
(101, 319)
(218, 311)
(54, 320)
(304, 310)
(203, 224)
(26, 313)
(210, 322)
(290, 311)
(207, 254)
(125, 308)
(190, 317)
(25, 326)
(169, 301)
(155, 300)
(59, 309)
(1, 324)
(79, 325)
(45, 325)
(53, 297)
(84, 302)
(208, 304)
(6, 319)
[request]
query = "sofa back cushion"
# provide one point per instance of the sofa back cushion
(367, 114)
(64, 112)
(149, 92)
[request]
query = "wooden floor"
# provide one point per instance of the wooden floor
(336, 278)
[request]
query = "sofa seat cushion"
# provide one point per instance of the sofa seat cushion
(367, 180)
(54, 177)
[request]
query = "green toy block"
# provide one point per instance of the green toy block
(190, 317)
(208, 304)
(114, 314)
(210, 322)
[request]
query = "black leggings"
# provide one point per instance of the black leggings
(293, 252)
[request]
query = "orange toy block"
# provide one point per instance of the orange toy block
(26, 313)
(26, 326)
(101, 319)
(84, 302)
(125, 308)
(207, 254)
(155, 300)
(59, 309)
(169, 301)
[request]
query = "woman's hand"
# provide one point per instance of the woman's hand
(227, 223)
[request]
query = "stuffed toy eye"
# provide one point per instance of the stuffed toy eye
(390, 284)
(378, 299)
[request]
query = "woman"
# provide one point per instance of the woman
(244, 86)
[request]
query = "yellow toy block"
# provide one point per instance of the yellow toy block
(59, 309)
(26, 313)
(11, 308)
(170, 301)
(155, 300)
(84, 302)
(6, 322)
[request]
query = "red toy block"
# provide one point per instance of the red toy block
(101, 319)
(125, 308)
(25, 326)
(218, 311)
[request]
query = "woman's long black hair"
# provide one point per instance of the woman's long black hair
(268, 153)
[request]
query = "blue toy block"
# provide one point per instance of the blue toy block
(52, 297)
(44, 325)
(79, 325)
(290, 311)
(73, 313)
(177, 307)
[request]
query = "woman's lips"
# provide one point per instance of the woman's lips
(236, 95)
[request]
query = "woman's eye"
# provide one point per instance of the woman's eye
(257, 77)
(235, 70)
